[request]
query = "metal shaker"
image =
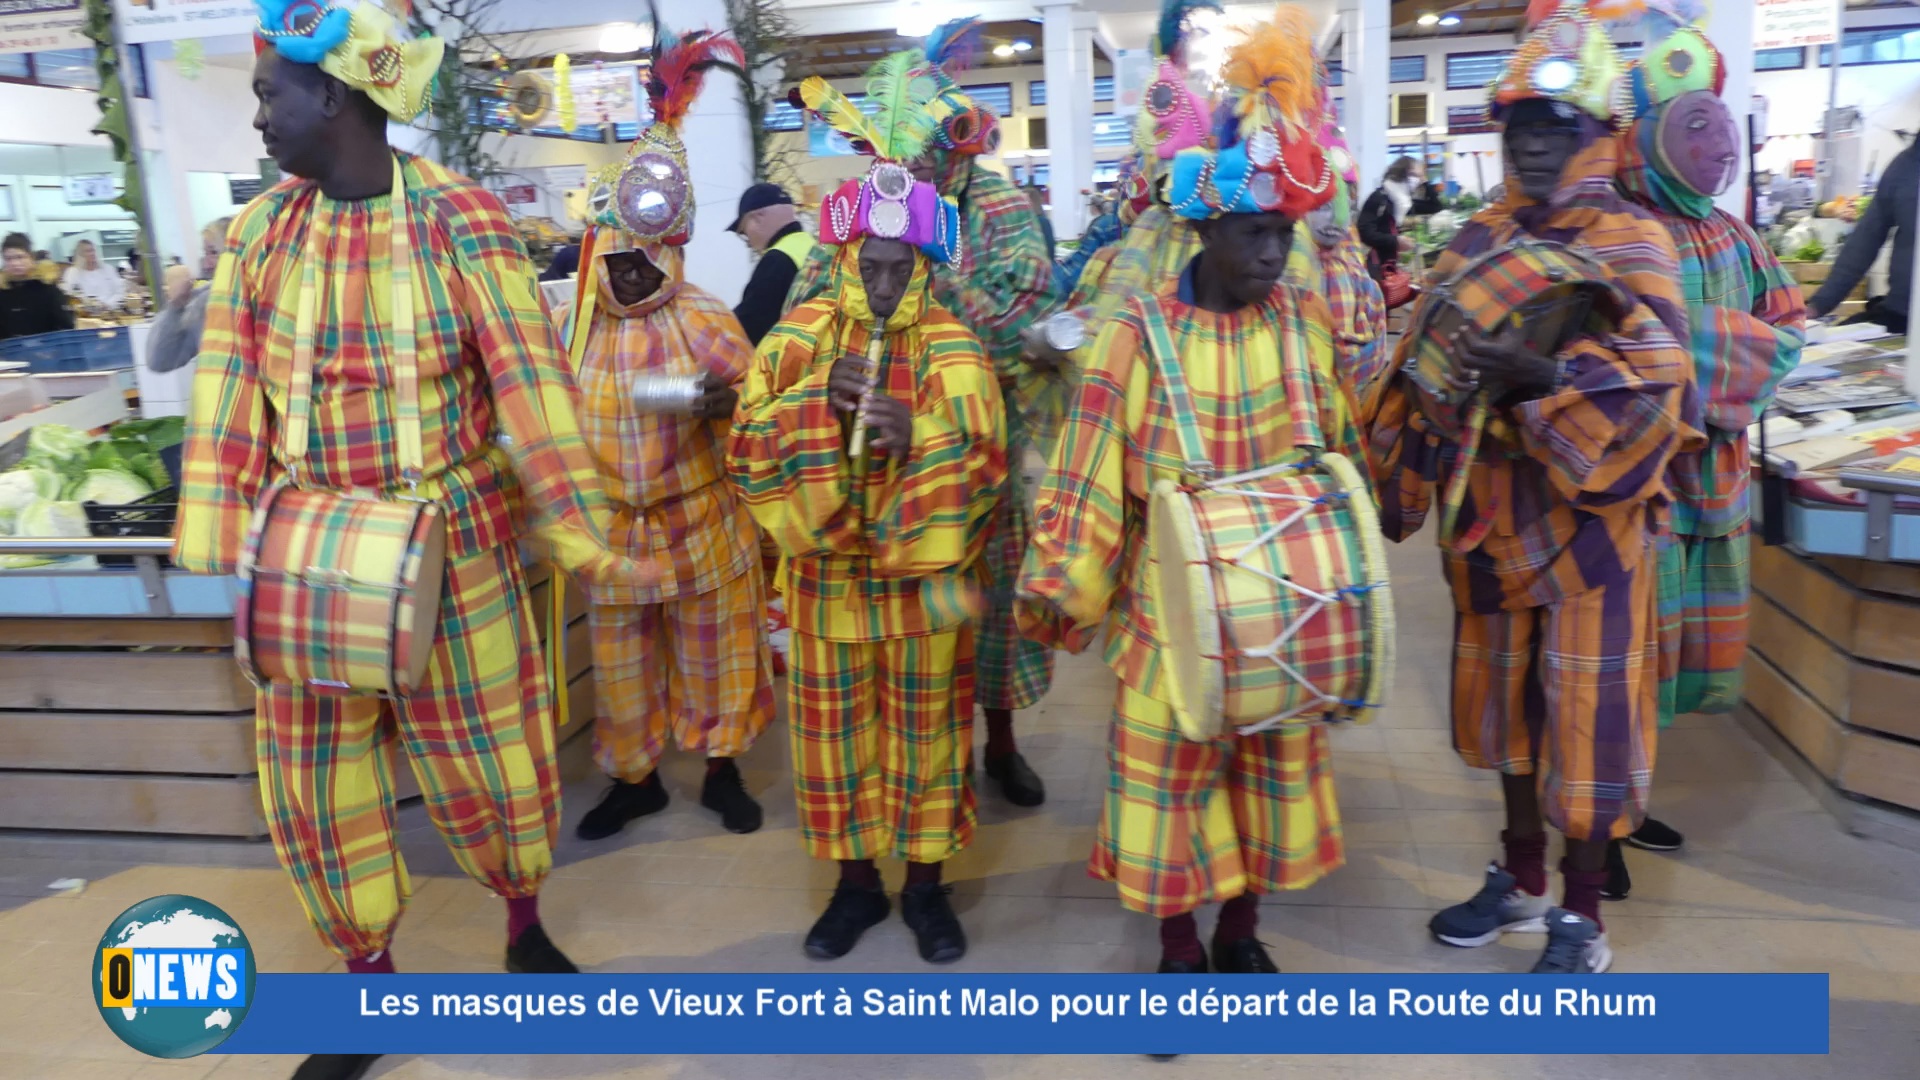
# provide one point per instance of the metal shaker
(660, 393)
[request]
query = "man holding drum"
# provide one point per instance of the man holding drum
(684, 659)
(869, 446)
(1229, 364)
(1554, 491)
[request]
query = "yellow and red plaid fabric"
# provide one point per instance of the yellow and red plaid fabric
(887, 550)
(1088, 555)
(883, 745)
(1190, 823)
(1568, 693)
(490, 364)
(326, 765)
(694, 671)
(665, 475)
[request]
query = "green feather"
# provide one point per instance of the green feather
(903, 92)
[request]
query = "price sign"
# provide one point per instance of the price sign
(91, 188)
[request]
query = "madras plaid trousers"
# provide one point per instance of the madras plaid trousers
(1012, 672)
(1705, 583)
(694, 669)
(479, 735)
(883, 745)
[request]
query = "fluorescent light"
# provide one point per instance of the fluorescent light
(916, 19)
(1003, 51)
(1429, 19)
(1023, 45)
(622, 37)
(1449, 19)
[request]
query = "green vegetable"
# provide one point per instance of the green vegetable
(110, 486)
(44, 517)
(1811, 251)
(56, 442)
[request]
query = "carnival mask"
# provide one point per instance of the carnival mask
(1698, 143)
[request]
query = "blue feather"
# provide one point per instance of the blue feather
(954, 41)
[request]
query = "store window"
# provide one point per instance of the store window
(782, 116)
(1875, 45)
(995, 96)
(1103, 88)
(1110, 131)
(1407, 69)
(15, 67)
(1037, 92)
(66, 67)
(1335, 75)
(1471, 71)
(1780, 59)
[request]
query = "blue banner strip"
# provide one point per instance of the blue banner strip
(1034, 1014)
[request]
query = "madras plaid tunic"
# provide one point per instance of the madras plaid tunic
(881, 566)
(479, 731)
(685, 658)
(1359, 309)
(1748, 325)
(1572, 487)
(1185, 822)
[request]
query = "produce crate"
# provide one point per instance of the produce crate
(71, 350)
(149, 515)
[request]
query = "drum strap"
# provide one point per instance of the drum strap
(406, 371)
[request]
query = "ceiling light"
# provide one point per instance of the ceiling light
(622, 37)
(1003, 51)
(916, 19)
(1449, 19)
(1023, 45)
(1429, 19)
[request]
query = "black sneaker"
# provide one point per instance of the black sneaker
(1182, 967)
(929, 914)
(623, 802)
(1656, 836)
(851, 911)
(725, 793)
(1575, 946)
(533, 953)
(1244, 957)
(335, 1067)
(1018, 782)
(1619, 882)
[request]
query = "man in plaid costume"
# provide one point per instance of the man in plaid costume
(1748, 323)
(877, 483)
(1555, 682)
(503, 451)
(686, 658)
(1226, 820)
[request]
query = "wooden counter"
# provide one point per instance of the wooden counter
(1834, 668)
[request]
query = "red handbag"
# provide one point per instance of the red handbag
(1398, 286)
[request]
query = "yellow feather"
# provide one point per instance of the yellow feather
(844, 116)
(1273, 67)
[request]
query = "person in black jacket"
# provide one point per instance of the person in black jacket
(766, 222)
(1891, 211)
(29, 305)
(1382, 214)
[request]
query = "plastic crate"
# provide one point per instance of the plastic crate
(71, 350)
(149, 515)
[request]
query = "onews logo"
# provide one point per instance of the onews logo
(173, 976)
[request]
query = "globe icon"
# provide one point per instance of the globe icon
(172, 923)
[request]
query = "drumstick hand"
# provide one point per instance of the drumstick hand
(1501, 362)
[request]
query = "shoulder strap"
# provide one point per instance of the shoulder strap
(1167, 362)
(406, 371)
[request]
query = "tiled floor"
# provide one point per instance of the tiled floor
(1768, 882)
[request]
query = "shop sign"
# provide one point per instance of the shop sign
(243, 189)
(142, 21)
(1788, 24)
(90, 188)
(519, 194)
(1132, 73)
(42, 25)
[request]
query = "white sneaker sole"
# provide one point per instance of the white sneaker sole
(1535, 925)
(1602, 958)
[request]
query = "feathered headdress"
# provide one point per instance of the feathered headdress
(649, 194)
(1172, 117)
(1268, 158)
(364, 47)
(888, 202)
(964, 126)
(1565, 57)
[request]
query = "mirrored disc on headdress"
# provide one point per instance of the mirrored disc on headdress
(990, 142)
(1263, 189)
(1161, 98)
(890, 181)
(1554, 76)
(1263, 148)
(652, 194)
(887, 219)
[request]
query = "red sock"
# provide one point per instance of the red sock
(1000, 733)
(1526, 860)
(1582, 895)
(923, 873)
(1180, 939)
(860, 873)
(522, 912)
(380, 963)
(716, 764)
(1239, 918)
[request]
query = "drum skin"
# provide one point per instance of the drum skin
(1271, 598)
(341, 592)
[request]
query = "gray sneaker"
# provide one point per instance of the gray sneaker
(1500, 907)
(1575, 946)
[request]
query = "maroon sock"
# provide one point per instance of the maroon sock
(380, 963)
(923, 873)
(1526, 860)
(522, 912)
(716, 764)
(1239, 918)
(1000, 733)
(1582, 895)
(860, 873)
(1180, 939)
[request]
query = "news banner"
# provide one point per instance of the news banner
(175, 976)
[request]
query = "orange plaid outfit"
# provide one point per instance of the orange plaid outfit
(881, 566)
(480, 730)
(685, 658)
